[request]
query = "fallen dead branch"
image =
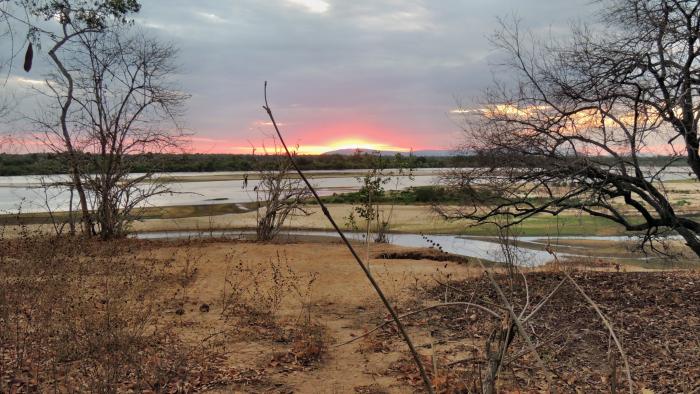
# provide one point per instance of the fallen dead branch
(429, 308)
(520, 327)
(608, 326)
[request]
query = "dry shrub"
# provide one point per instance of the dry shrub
(380, 341)
(181, 274)
(253, 297)
(375, 344)
(79, 315)
(307, 345)
(444, 380)
(254, 294)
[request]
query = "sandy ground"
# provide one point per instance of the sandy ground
(404, 218)
(193, 278)
(342, 300)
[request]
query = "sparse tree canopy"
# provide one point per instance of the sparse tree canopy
(279, 194)
(66, 24)
(109, 98)
(83, 14)
(125, 106)
(570, 131)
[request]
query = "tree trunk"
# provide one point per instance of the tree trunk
(691, 239)
(73, 162)
(71, 218)
(501, 337)
(86, 218)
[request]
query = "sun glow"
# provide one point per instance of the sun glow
(315, 139)
(303, 149)
(347, 143)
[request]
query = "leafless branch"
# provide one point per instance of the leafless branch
(416, 357)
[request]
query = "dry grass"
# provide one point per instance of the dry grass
(78, 314)
(82, 315)
(655, 315)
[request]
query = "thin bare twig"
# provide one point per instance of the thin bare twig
(509, 359)
(416, 357)
(519, 326)
(444, 305)
(527, 296)
(544, 301)
(609, 327)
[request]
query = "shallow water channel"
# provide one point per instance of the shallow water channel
(470, 246)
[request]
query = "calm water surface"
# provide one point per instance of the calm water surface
(477, 247)
(25, 192)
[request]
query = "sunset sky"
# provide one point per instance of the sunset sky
(380, 74)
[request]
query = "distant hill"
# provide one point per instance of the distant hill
(422, 153)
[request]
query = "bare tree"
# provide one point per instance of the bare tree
(50, 189)
(7, 36)
(279, 194)
(125, 106)
(65, 23)
(572, 131)
(110, 97)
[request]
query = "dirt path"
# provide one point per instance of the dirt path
(341, 300)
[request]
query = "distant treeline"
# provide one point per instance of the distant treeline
(48, 163)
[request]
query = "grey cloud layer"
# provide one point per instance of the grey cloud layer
(397, 63)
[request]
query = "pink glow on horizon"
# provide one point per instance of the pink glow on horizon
(213, 146)
(315, 139)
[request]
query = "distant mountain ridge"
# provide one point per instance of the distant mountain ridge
(423, 152)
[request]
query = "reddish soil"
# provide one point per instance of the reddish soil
(656, 316)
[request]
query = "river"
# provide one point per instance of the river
(27, 194)
(530, 252)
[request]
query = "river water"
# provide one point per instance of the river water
(469, 246)
(26, 192)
